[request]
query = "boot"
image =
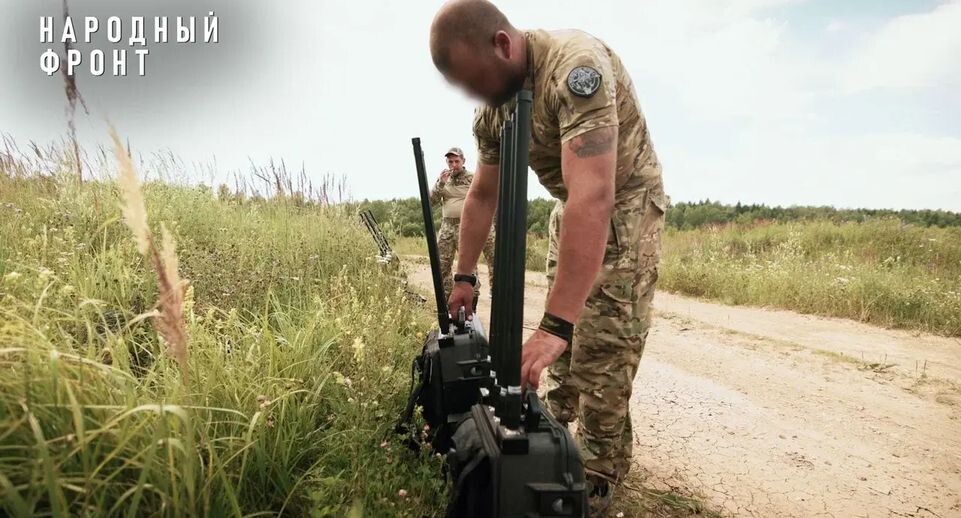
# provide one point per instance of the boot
(600, 494)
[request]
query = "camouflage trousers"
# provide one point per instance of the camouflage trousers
(593, 379)
(447, 245)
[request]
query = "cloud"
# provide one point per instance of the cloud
(745, 106)
(889, 171)
(744, 101)
(911, 51)
(761, 113)
(835, 26)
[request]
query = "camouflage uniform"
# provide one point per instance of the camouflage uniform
(579, 85)
(452, 193)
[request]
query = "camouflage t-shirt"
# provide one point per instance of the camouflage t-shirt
(579, 84)
(452, 193)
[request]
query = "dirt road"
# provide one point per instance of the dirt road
(772, 413)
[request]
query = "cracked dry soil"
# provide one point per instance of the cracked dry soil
(761, 412)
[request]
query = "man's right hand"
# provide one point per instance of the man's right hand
(462, 295)
(444, 175)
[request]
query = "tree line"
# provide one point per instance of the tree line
(402, 216)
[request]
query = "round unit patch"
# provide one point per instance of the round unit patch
(583, 81)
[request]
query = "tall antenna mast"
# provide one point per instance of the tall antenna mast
(507, 309)
(443, 318)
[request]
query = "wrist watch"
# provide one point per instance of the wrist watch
(466, 277)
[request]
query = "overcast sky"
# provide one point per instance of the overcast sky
(853, 103)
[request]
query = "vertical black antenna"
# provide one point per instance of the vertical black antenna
(500, 295)
(512, 233)
(443, 318)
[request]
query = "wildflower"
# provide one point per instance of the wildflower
(10, 277)
(264, 401)
(358, 346)
(402, 493)
(343, 380)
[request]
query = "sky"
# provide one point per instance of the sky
(787, 102)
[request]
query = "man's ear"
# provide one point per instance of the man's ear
(502, 45)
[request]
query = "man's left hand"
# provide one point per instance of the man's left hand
(540, 350)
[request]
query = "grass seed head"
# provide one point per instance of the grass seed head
(133, 207)
(169, 322)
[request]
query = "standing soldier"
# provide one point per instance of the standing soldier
(451, 190)
(591, 150)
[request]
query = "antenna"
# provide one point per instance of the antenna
(500, 294)
(507, 309)
(443, 318)
(367, 217)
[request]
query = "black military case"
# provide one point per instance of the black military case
(532, 471)
(510, 458)
(454, 369)
(452, 372)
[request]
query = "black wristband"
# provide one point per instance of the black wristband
(466, 277)
(558, 327)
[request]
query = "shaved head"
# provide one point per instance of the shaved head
(476, 48)
(470, 22)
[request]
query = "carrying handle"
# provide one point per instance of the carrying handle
(461, 322)
(535, 410)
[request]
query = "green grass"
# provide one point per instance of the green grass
(299, 362)
(880, 271)
(536, 250)
(406, 245)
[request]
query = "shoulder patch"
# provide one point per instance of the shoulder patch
(583, 81)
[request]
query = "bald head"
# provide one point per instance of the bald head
(476, 48)
(468, 22)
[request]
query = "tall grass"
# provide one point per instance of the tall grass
(169, 317)
(535, 260)
(299, 359)
(880, 271)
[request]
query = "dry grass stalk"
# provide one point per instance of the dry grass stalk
(134, 209)
(169, 322)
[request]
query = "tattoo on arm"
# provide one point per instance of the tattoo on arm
(595, 142)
